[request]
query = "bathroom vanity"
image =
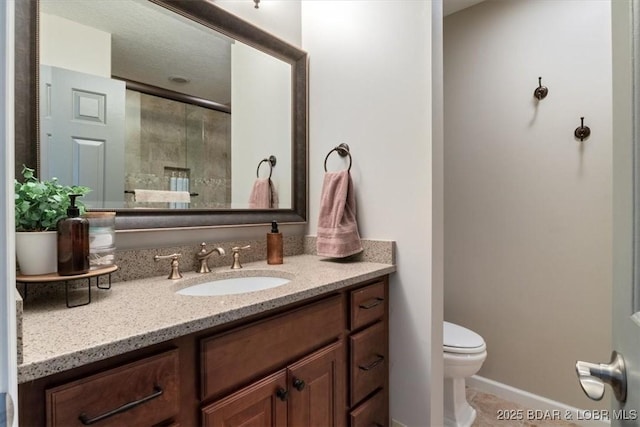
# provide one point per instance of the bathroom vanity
(313, 351)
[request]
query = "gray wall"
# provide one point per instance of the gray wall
(528, 207)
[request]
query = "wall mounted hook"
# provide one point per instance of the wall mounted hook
(541, 91)
(582, 132)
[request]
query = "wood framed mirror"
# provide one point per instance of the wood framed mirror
(203, 17)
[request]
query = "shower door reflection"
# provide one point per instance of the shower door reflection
(173, 145)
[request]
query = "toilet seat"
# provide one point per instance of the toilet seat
(460, 340)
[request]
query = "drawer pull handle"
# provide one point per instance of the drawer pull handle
(282, 394)
(373, 364)
(298, 384)
(157, 392)
(372, 303)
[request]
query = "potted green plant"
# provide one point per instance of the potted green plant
(38, 207)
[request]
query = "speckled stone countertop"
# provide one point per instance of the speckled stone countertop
(143, 312)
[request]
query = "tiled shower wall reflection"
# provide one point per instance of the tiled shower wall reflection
(164, 136)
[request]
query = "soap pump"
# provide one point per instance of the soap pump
(274, 245)
(73, 241)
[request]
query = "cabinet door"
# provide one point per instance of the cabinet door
(317, 389)
(263, 404)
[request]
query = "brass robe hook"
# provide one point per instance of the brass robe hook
(582, 132)
(541, 91)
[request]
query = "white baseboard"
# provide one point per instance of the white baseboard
(544, 407)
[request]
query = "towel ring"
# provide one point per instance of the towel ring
(343, 150)
(271, 161)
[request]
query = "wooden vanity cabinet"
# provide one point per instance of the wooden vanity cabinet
(320, 362)
(304, 345)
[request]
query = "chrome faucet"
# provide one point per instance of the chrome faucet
(203, 255)
(175, 267)
(236, 256)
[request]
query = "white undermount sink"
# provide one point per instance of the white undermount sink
(233, 285)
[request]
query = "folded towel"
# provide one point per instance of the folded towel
(337, 227)
(263, 195)
(153, 196)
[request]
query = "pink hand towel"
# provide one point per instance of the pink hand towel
(337, 227)
(263, 195)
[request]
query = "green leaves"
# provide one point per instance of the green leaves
(40, 204)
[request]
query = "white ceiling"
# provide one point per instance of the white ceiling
(150, 44)
(452, 6)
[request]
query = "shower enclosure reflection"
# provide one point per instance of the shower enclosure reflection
(177, 146)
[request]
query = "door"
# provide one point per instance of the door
(623, 372)
(317, 385)
(263, 403)
(82, 133)
(626, 190)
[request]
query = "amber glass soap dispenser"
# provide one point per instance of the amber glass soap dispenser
(73, 241)
(274, 245)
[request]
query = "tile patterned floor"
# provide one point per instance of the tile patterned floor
(490, 408)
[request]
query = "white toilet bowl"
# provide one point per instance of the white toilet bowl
(464, 353)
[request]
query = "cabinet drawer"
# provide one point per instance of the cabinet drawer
(234, 358)
(142, 393)
(372, 412)
(367, 305)
(368, 361)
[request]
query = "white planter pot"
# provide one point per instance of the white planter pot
(37, 252)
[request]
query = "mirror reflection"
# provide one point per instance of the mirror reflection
(168, 114)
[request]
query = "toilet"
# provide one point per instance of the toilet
(464, 353)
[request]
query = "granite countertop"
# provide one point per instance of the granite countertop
(143, 312)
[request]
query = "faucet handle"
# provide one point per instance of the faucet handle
(236, 256)
(202, 257)
(175, 267)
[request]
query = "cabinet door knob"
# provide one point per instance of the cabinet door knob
(298, 384)
(282, 394)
